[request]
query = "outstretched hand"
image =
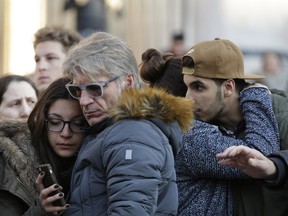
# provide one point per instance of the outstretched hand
(248, 160)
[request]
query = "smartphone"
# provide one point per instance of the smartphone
(50, 179)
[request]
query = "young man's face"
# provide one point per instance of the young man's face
(49, 57)
(208, 97)
(94, 109)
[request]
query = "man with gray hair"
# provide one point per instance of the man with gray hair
(126, 163)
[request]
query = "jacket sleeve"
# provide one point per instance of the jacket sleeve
(204, 141)
(36, 210)
(280, 107)
(280, 160)
(11, 205)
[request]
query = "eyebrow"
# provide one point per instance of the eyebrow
(59, 116)
(197, 82)
(46, 54)
(20, 99)
(30, 97)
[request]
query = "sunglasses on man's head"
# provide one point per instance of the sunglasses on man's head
(94, 90)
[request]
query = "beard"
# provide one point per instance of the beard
(217, 108)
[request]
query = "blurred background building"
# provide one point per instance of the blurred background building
(256, 26)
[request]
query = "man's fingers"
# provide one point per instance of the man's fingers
(234, 151)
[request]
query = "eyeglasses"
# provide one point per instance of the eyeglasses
(94, 90)
(57, 125)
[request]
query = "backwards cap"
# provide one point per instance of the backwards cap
(217, 59)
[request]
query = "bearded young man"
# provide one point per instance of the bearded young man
(214, 74)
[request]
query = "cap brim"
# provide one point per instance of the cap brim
(252, 76)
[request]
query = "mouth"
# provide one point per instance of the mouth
(42, 79)
(65, 146)
(94, 113)
(197, 112)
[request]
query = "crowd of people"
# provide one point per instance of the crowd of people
(178, 134)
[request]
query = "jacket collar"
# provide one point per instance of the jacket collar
(148, 103)
(173, 115)
(15, 145)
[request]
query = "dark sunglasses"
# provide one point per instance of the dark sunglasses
(94, 90)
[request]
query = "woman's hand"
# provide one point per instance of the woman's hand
(49, 195)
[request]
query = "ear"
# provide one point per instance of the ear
(129, 81)
(229, 87)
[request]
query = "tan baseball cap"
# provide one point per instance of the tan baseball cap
(217, 59)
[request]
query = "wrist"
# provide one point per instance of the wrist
(271, 172)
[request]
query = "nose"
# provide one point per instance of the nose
(66, 132)
(25, 110)
(85, 98)
(189, 94)
(41, 65)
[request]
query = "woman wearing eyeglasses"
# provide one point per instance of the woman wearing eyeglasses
(57, 129)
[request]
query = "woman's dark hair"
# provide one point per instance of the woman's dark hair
(163, 70)
(7, 79)
(36, 120)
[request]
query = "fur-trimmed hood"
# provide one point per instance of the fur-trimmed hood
(15, 145)
(148, 103)
(171, 114)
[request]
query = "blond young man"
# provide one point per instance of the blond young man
(51, 44)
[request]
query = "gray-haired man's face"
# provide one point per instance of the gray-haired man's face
(94, 108)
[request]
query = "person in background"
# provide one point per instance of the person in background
(272, 169)
(276, 77)
(51, 44)
(177, 46)
(127, 157)
(214, 73)
(91, 15)
(18, 96)
(54, 136)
